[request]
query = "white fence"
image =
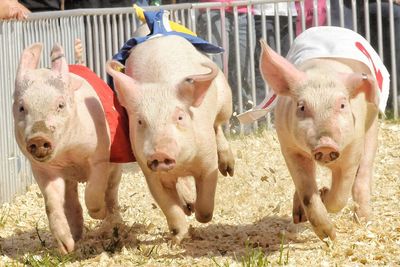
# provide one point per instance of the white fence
(104, 31)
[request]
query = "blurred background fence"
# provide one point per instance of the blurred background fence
(237, 26)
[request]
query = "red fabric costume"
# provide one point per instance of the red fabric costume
(117, 119)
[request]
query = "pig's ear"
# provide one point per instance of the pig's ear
(278, 72)
(30, 58)
(127, 88)
(194, 88)
(58, 61)
(362, 83)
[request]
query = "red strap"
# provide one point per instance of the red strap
(117, 119)
(378, 73)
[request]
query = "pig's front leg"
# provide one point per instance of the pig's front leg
(186, 190)
(362, 185)
(53, 190)
(343, 174)
(95, 190)
(302, 170)
(73, 209)
(299, 215)
(337, 196)
(205, 187)
(168, 200)
(226, 161)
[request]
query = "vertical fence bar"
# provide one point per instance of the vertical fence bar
(277, 30)
(379, 24)
(225, 41)
(354, 14)
(251, 33)
(328, 13)
(367, 20)
(237, 59)
(341, 13)
(393, 61)
(315, 12)
(290, 21)
(303, 16)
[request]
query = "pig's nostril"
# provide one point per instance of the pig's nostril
(32, 148)
(169, 162)
(46, 145)
(318, 156)
(334, 155)
(153, 164)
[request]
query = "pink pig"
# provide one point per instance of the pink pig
(176, 99)
(61, 127)
(326, 113)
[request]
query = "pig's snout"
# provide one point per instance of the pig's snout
(326, 154)
(160, 161)
(39, 147)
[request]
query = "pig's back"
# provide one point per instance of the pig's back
(165, 59)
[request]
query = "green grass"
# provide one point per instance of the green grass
(256, 257)
(282, 261)
(3, 217)
(46, 259)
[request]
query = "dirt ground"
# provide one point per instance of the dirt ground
(251, 225)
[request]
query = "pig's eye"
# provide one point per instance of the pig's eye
(342, 106)
(21, 109)
(180, 118)
(61, 105)
(140, 122)
(301, 107)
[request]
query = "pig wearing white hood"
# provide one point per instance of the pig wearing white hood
(329, 89)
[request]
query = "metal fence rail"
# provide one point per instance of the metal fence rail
(104, 31)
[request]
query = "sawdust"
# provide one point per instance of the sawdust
(252, 220)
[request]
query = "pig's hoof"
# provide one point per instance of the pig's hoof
(98, 214)
(323, 192)
(363, 212)
(66, 244)
(188, 208)
(204, 218)
(226, 162)
(299, 214)
(178, 235)
(325, 231)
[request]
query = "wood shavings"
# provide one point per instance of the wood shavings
(252, 212)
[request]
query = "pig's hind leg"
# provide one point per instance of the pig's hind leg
(361, 190)
(226, 161)
(95, 191)
(112, 190)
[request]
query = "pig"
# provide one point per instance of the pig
(177, 100)
(326, 113)
(61, 128)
